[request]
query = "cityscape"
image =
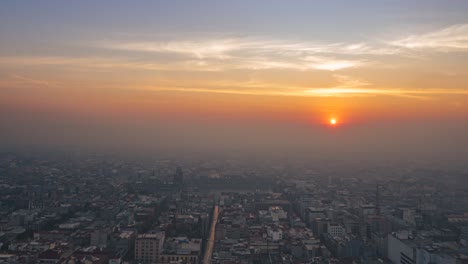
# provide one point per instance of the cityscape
(234, 132)
(90, 209)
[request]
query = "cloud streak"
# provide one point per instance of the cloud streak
(346, 86)
(234, 53)
(267, 53)
(248, 53)
(453, 38)
(321, 92)
(244, 53)
(34, 81)
(191, 64)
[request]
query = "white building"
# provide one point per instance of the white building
(275, 234)
(148, 247)
(277, 213)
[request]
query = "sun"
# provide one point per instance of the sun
(333, 121)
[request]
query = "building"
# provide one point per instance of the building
(181, 250)
(344, 247)
(277, 213)
(178, 176)
(204, 225)
(304, 202)
(184, 259)
(275, 234)
(335, 230)
(406, 249)
(148, 247)
(99, 237)
(313, 213)
(121, 242)
(367, 209)
(319, 226)
(8, 258)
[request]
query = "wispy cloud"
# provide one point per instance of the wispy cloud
(262, 53)
(18, 80)
(191, 64)
(111, 64)
(333, 64)
(347, 86)
(320, 92)
(453, 38)
(222, 47)
(35, 81)
(249, 53)
(244, 53)
(410, 93)
(349, 81)
(199, 49)
(268, 53)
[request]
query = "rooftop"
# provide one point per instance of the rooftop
(157, 235)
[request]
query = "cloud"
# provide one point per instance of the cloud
(219, 54)
(26, 79)
(251, 53)
(17, 80)
(263, 53)
(320, 92)
(260, 53)
(350, 82)
(222, 47)
(244, 53)
(190, 64)
(453, 38)
(335, 65)
(347, 86)
(109, 64)
(409, 93)
(199, 49)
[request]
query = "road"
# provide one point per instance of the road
(211, 238)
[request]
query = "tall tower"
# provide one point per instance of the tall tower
(377, 198)
(179, 176)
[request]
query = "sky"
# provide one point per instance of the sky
(256, 77)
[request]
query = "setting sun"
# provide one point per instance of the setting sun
(333, 121)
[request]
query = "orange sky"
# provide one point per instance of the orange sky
(206, 68)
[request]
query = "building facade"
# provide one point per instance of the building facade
(148, 247)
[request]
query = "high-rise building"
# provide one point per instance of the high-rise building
(178, 176)
(99, 237)
(148, 247)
